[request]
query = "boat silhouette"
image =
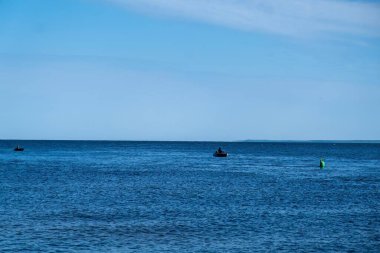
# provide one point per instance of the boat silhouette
(18, 149)
(220, 153)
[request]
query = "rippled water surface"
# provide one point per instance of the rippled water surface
(176, 197)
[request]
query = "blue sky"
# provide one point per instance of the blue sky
(189, 70)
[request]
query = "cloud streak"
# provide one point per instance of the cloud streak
(284, 17)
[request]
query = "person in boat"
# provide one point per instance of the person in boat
(219, 151)
(18, 148)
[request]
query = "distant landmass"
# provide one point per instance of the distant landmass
(316, 141)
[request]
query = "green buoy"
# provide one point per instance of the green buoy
(322, 164)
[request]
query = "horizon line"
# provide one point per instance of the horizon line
(225, 141)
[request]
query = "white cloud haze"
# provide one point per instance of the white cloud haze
(285, 17)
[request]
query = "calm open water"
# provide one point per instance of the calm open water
(62, 196)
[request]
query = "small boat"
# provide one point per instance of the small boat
(220, 153)
(18, 149)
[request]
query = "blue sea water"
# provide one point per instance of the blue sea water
(78, 196)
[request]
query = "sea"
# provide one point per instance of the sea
(124, 196)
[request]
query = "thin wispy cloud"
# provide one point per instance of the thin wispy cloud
(284, 17)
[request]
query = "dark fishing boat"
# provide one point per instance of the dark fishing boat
(223, 154)
(220, 153)
(18, 149)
